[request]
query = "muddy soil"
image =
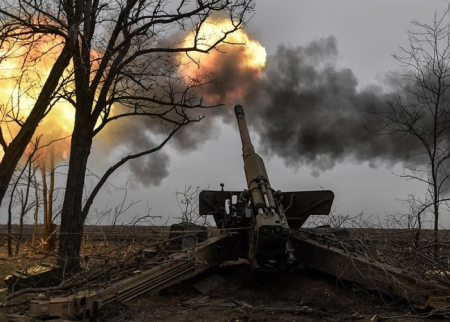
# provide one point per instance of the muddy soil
(234, 293)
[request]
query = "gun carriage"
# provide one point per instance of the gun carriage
(262, 218)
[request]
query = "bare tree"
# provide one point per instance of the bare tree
(125, 57)
(422, 113)
(48, 195)
(36, 211)
(20, 197)
(138, 70)
(187, 202)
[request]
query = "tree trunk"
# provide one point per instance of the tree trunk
(45, 232)
(51, 240)
(72, 221)
(20, 237)
(47, 200)
(36, 211)
(436, 230)
(9, 242)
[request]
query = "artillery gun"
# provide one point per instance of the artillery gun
(262, 218)
(264, 226)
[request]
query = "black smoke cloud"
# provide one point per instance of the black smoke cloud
(304, 108)
(151, 169)
(310, 112)
(307, 111)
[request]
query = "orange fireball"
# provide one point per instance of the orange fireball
(22, 75)
(233, 65)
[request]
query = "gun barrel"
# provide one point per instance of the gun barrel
(247, 146)
(255, 171)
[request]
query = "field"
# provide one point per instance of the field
(231, 292)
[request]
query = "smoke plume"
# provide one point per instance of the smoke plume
(304, 108)
(310, 112)
(307, 111)
(134, 135)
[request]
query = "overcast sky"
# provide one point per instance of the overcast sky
(364, 35)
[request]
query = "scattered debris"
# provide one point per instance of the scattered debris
(35, 276)
(176, 268)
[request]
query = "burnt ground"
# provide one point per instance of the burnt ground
(234, 293)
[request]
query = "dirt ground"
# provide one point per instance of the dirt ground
(234, 293)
